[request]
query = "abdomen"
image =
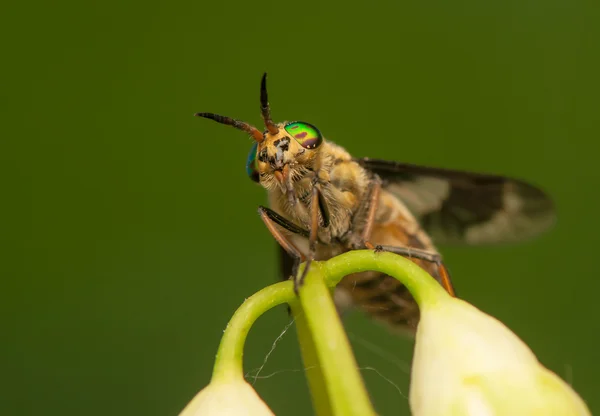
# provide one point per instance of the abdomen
(381, 296)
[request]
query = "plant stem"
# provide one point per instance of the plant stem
(421, 285)
(342, 379)
(313, 369)
(334, 380)
(228, 363)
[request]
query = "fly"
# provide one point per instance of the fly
(323, 202)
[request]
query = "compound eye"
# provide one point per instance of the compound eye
(251, 168)
(307, 135)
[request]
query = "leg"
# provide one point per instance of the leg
(314, 233)
(370, 219)
(289, 186)
(403, 251)
(425, 256)
(267, 213)
(412, 252)
(271, 220)
(366, 216)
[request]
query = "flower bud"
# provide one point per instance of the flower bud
(469, 363)
(233, 398)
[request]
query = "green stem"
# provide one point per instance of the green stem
(342, 379)
(228, 363)
(421, 285)
(313, 369)
(335, 382)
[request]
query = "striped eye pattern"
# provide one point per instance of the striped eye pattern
(307, 135)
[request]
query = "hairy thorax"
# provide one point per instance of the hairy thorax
(343, 183)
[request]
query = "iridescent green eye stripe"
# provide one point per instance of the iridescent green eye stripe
(307, 135)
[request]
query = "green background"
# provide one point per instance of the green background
(130, 228)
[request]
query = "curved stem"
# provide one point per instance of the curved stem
(421, 285)
(336, 387)
(228, 363)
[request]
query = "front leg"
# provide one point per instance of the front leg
(317, 204)
(272, 220)
(365, 217)
(370, 219)
(289, 186)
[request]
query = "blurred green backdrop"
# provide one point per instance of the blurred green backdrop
(130, 227)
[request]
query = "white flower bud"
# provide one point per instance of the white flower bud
(235, 398)
(469, 363)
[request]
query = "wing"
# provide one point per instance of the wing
(466, 208)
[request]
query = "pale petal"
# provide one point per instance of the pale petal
(227, 399)
(469, 363)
